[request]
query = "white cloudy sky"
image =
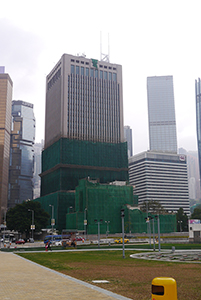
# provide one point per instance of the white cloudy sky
(147, 37)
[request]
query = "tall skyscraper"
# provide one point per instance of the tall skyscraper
(84, 135)
(21, 153)
(84, 101)
(128, 138)
(161, 113)
(198, 119)
(6, 87)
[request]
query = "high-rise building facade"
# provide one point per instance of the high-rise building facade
(84, 124)
(193, 173)
(21, 153)
(198, 119)
(160, 177)
(161, 114)
(84, 101)
(6, 87)
(129, 140)
(84, 134)
(37, 167)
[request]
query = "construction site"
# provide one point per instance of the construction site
(86, 183)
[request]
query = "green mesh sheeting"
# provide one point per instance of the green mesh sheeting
(104, 202)
(85, 153)
(67, 179)
(135, 222)
(62, 202)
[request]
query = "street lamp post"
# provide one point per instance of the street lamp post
(122, 219)
(85, 221)
(98, 222)
(107, 222)
(32, 226)
(52, 220)
(159, 239)
(180, 222)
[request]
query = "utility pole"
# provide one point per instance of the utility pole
(122, 219)
(52, 221)
(98, 222)
(32, 226)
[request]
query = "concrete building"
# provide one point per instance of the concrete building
(194, 227)
(21, 153)
(6, 87)
(161, 114)
(161, 177)
(129, 140)
(84, 101)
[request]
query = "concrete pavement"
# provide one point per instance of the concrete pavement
(22, 279)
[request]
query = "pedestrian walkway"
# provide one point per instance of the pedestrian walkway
(22, 279)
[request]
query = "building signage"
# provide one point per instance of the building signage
(194, 221)
(182, 157)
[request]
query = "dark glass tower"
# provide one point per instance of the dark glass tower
(21, 153)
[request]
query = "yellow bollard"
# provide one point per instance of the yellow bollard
(164, 288)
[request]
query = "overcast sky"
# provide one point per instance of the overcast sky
(148, 38)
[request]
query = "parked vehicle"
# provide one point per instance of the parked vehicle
(55, 238)
(20, 241)
(78, 238)
(120, 241)
(58, 243)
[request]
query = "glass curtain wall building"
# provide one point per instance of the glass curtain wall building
(21, 153)
(198, 119)
(6, 88)
(161, 114)
(129, 140)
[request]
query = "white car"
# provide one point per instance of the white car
(58, 243)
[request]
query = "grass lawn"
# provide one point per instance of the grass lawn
(128, 277)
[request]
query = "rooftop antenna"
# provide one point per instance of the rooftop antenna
(104, 57)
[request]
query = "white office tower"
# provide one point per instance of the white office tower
(160, 177)
(84, 101)
(161, 113)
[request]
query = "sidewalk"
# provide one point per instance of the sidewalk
(22, 279)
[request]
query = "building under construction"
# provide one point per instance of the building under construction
(84, 138)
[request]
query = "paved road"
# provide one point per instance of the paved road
(22, 279)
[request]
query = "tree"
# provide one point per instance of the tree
(152, 206)
(196, 213)
(19, 218)
(182, 220)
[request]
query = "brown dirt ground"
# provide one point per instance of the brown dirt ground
(132, 278)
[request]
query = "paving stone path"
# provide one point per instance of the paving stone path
(22, 279)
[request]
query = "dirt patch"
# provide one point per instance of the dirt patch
(133, 279)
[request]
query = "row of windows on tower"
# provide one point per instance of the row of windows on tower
(93, 73)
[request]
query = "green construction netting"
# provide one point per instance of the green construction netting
(62, 202)
(85, 153)
(65, 179)
(104, 202)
